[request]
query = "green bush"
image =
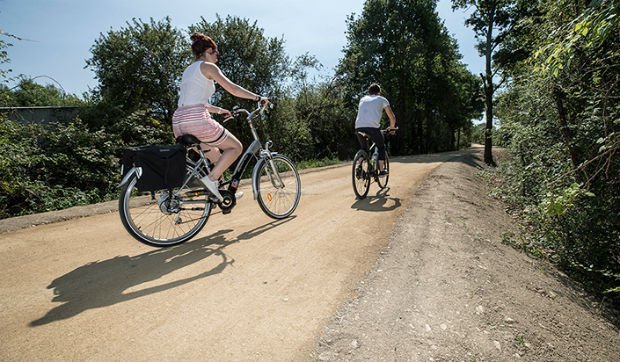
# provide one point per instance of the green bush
(561, 117)
(50, 167)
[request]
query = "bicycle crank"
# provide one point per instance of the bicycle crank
(228, 202)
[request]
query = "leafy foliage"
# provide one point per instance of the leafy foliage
(329, 120)
(27, 93)
(493, 21)
(561, 118)
(4, 55)
(49, 167)
(138, 67)
(404, 46)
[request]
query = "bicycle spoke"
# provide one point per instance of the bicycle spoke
(161, 221)
(278, 187)
(360, 174)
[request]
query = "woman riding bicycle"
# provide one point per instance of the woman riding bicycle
(193, 115)
(368, 119)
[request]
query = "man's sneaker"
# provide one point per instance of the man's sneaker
(383, 173)
(238, 195)
(213, 187)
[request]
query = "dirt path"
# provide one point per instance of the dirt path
(447, 289)
(251, 289)
(247, 288)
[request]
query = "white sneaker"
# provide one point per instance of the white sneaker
(213, 187)
(239, 194)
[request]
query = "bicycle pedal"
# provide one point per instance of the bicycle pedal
(228, 202)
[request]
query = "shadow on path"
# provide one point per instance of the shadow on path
(102, 283)
(379, 202)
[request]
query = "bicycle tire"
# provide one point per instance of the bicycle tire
(383, 181)
(142, 215)
(360, 174)
(277, 196)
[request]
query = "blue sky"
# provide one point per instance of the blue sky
(58, 34)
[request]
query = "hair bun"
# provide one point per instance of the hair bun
(200, 43)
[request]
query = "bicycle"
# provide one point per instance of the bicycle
(172, 216)
(366, 167)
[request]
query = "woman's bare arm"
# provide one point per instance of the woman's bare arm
(212, 71)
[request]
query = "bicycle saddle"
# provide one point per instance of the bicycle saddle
(188, 140)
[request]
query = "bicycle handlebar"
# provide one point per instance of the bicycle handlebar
(249, 115)
(388, 129)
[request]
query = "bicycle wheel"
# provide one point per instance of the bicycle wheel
(278, 187)
(164, 217)
(360, 174)
(383, 180)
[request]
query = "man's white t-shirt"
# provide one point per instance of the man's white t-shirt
(370, 111)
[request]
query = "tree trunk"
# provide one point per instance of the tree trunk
(488, 91)
(452, 139)
(488, 133)
(419, 120)
(404, 121)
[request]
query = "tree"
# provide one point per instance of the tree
(27, 93)
(462, 102)
(560, 114)
(320, 106)
(138, 67)
(403, 45)
(5, 94)
(4, 55)
(491, 20)
(46, 167)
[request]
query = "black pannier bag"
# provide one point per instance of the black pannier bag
(163, 166)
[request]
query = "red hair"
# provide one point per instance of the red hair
(200, 44)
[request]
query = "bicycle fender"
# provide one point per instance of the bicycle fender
(255, 174)
(255, 177)
(134, 170)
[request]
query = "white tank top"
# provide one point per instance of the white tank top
(195, 87)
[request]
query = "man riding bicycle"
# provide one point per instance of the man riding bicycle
(368, 119)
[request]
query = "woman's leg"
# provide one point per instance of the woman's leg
(231, 150)
(212, 153)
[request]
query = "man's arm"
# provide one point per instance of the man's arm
(391, 116)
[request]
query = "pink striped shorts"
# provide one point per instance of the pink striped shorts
(196, 120)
